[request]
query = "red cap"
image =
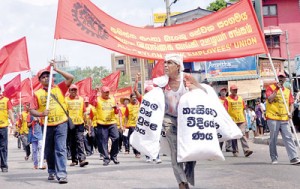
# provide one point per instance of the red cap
(282, 74)
(224, 88)
(40, 73)
(232, 87)
(105, 89)
(73, 86)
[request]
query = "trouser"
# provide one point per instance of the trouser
(56, 150)
(68, 144)
(121, 138)
(77, 143)
(243, 140)
(26, 144)
(3, 147)
(36, 152)
(287, 137)
(184, 172)
(19, 141)
(90, 142)
(104, 132)
(127, 143)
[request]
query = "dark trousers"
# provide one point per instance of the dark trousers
(56, 150)
(77, 143)
(26, 144)
(104, 132)
(90, 142)
(3, 147)
(120, 139)
(127, 144)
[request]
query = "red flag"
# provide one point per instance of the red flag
(26, 93)
(12, 87)
(158, 69)
(230, 33)
(122, 93)
(14, 57)
(84, 87)
(111, 81)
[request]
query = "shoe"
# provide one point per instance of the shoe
(105, 163)
(248, 153)
(83, 163)
(35, 167)
(115, 160)
(73, 164)
(51, 177)
(4, 170)
(137, 155)
(148, 160)
(158, 161)
(295, 161)
(101, 157)
(63, 181)
(235, 154)
(126, 152)
(26, 158)
(274, 162)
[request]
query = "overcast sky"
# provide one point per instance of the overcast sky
(35, 19)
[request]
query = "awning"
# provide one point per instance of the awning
(242, 77)
(247, 89)
(272, 30)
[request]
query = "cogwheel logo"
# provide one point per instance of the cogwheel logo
(87, 21)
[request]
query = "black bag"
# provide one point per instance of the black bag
(69, 122)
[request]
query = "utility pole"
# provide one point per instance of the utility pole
(168, 12)
(288, 57)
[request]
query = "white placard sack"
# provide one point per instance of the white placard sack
(226, 127)
(146, 135)
(197, 137)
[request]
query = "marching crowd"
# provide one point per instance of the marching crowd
(102, 124)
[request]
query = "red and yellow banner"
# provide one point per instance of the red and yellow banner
(230, 33)
(122, 93)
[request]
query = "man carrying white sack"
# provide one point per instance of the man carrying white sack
(177, 84)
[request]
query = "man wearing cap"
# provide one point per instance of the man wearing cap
(57, 128)
(222, 97)
(131, 117)
(76, 109)
(235, 106)
(89, 139)
(277, 119)
(106, 126)
(5, 114)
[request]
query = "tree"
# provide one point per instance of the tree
(218, 5)
(96, 73)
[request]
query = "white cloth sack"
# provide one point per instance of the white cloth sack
(125, 133)
(146, 135)
(196, 131)
(227, 129)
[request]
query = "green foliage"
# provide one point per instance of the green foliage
(96, 73)
(124, 81)
(218, 5)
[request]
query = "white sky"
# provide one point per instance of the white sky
(35, 19)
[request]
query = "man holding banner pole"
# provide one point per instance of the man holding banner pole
(56, 124)
(278, 117)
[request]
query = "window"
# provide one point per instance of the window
(121, 62)
(134, 60)
(270, 10)
(273, 41)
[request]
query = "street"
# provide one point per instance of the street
(235, 172)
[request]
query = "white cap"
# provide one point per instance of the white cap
(177, 58)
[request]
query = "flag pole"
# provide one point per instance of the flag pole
(31, 85)
(284, 101)
(47, 106)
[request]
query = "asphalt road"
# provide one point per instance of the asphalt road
(234, 173)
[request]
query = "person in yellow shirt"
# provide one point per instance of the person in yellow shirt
(278, 120)
(121, 121)
(57, 128)
(106, 126)
(89, 139)
(24, 130)
(5, 114)
(76, 109)
(235, 106)
(131, 116)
